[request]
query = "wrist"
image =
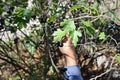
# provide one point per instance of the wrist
(71, 60)
(69, 51)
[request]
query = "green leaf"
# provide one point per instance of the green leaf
(22, 12)
(27, 13)
(90, 30)
(21, 25)
(95, 9)
(37, 10)
(117, 58)
(52, 18)
(58, 35)
(84, 9)
(68, 25)
(87, 23)
(31, 47)
(74, 7)
(39, 32)
(19, 12)
(74, 35)
(102, 35)
(14, 78)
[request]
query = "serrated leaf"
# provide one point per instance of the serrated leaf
(74, 35)
(68, 25)
(19, 12)
(102, 35)
(90, 30)
(117, 58)
(58, 35)
(74, 7)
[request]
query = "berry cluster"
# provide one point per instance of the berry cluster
(2, 22)
(10, 11)
(52, 26)
(118, 49)
(43, 18)
(59, 44)
(113, 27)
(114, 30)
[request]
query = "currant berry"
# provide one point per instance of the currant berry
(118, 49)
(109, 26)
(27, 41)
(2, 21)
(52, 25)
(112, 22)
(41, 42)
(40, 18)
(9, 12)
(11, 20)
(0, 39)
(11, 8)
(86, 56)
(54, 29)
(16, 40)
(59, 44)
(34, 17)
(66, 10)
(44, 18)
(1, 27)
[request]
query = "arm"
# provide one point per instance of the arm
(73, 69)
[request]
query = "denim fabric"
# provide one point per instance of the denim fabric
(73, 73)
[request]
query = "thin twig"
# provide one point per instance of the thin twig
(48, 48)
(114, 40)
(101, 74)
(96, 18)
(87, 16)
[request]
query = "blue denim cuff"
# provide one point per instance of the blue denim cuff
(73, 71)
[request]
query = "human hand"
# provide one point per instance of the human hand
(68, 48)
(69, 51)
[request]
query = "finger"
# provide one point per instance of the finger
(65, 38)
